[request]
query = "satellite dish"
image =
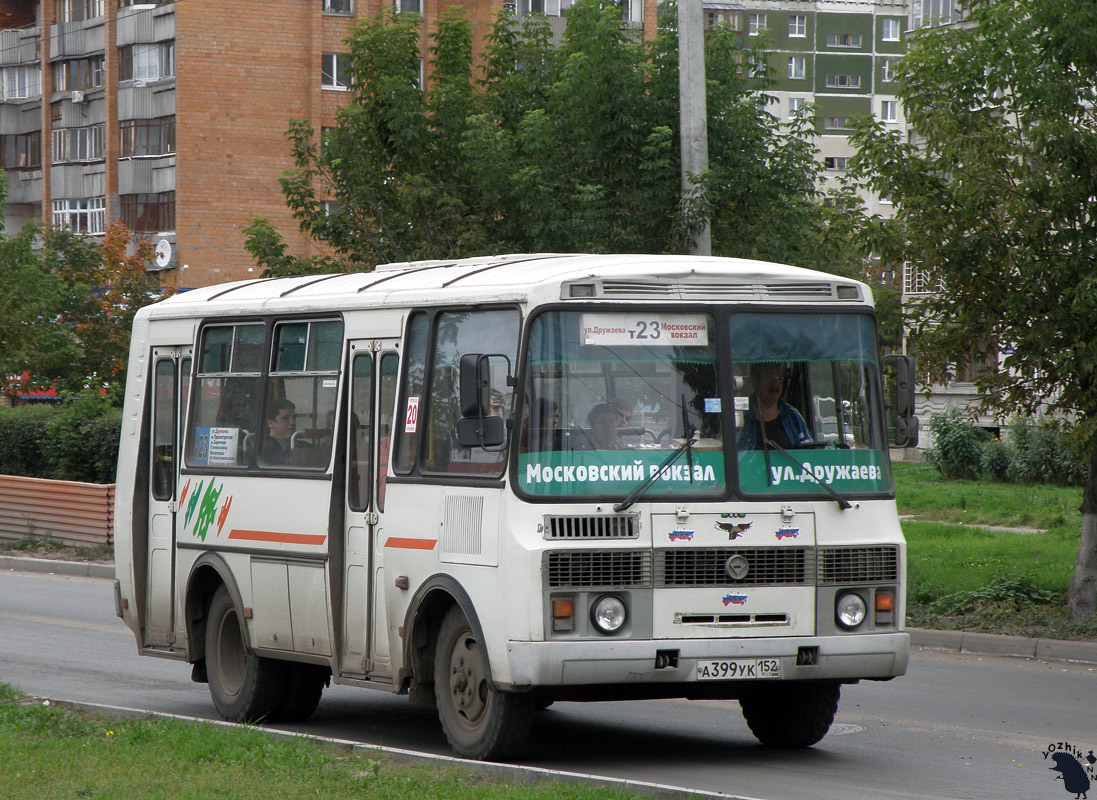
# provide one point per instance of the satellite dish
(163, 253)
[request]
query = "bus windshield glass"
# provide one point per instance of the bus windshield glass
(610, 395)
(807, 405)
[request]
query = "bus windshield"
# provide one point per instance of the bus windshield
(807, 405)
(610, 394)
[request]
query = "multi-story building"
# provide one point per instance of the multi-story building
(172, 115)
(834, 59)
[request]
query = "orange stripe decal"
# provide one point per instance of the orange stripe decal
(275, 536)
(410, 544)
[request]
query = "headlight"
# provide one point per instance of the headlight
(608, 613)
(850, 610)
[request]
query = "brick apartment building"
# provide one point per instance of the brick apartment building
(171, 115)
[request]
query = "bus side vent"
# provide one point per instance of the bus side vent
(653, 289)
(842, 565)
(794, 291)
(598, 568)
(765, 566)
(602, 527)
(461, 526)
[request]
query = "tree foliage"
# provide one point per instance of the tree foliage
(996, 202)
(68, 303)
(573, 148)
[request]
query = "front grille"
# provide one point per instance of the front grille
(602, 568)
(776, 566)
(624, 527)
(858, 564)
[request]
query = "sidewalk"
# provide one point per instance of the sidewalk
(954, 641)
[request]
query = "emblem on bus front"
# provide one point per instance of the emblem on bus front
(677, 535)
(735, 599)
(737, 567)
(734, 530)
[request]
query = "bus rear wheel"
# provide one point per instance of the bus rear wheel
(244, 687)
(790, 714)
(479, 720)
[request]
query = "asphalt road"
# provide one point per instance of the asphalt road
(956, 726)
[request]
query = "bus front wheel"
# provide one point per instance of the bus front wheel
(479, 720)
(790, 714)
(244, 687)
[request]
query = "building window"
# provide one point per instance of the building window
(796, 106)
(889, 110)
(756, 23)
(147, 137)
(21, 83)
(836, 123)
(78, 73)
(81, 216)
(887, 69)
(843, 81)
(798, 25)
(338, 6)
(758, 67)
(128, 3)
(408, 6)
(148, 213)
(21, 150)
(78, 10)
(935, 12)
(632, 10)
(146, 62)
(889, 29)
(843, 40)
(336, 71)
(729, 19)
(835, 162)
(796, 65)
(78, 144)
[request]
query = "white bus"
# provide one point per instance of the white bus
(495, 483)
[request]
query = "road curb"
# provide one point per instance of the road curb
(999, 645)
(504, 773)
(928, 639)
(53, 566)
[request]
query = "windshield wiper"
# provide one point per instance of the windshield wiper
(685, 447)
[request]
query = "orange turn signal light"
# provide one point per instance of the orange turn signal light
(563, 608)
(885, 601)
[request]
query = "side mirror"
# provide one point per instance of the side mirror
(480, 432)
(906, 424)
(475, 391)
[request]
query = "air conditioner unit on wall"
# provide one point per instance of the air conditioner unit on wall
(77, 97)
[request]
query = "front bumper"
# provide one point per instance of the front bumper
(844, 658)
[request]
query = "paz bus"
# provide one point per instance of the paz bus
(495, 483)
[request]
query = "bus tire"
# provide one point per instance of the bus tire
(479, 720)
(244, 686)
(791, 714)
(304, 685)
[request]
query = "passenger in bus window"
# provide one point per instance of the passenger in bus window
(782, 423)
(603, 419)
(281, 425)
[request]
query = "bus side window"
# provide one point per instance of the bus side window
(225, 415)
(361, 399)
(390, 363)
(163, 426)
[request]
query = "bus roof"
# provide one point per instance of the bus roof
(541, 277)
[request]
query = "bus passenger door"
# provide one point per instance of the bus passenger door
(373, 369)
(170, 387)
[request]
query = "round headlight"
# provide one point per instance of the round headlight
(850, 610)
(608, 613)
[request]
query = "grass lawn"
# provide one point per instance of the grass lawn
(965, 576)
(49, 752)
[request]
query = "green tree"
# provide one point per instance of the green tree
(565, 149)
(997, 202)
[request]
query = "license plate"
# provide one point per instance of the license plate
(726, 669)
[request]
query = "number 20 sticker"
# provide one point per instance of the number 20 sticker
(412, 417)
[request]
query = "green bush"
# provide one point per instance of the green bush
(75, 441)
(957, 450)
(994, 462)
(1038, 454)
(23, 440)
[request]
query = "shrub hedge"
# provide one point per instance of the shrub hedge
(74, 441)
(1030, 452)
